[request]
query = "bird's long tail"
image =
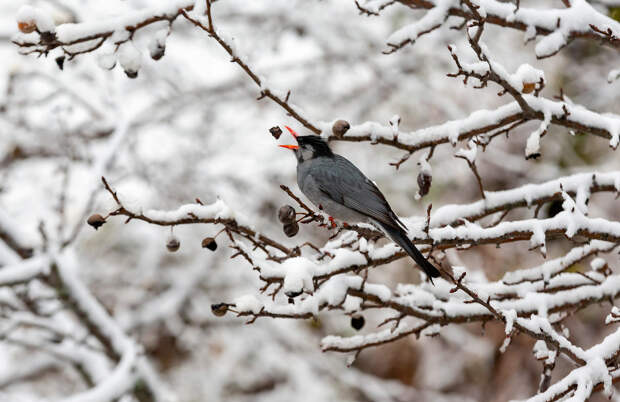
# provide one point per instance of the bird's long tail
(400, 237)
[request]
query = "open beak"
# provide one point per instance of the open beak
(294, 134)
(290, 130)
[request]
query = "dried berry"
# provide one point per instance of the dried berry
(340, 127)
(131, 73)
(291, 229)
(286, 214)
(209, 242)
(157, 52)
(219, 309)
(424, 183)
(96, 221)
(357, 322)
(291, 294)
(534, 155)
(276, 132)
(173, 244)
(26, 26)
(60, 62)
(528, 87)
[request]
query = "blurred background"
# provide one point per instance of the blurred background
(195, 129)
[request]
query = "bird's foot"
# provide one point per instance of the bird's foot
(331, 220)
(345, 225)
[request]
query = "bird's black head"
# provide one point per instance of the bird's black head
(310, 147)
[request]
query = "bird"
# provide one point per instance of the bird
(337, 187)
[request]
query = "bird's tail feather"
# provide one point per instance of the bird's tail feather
(399, 236)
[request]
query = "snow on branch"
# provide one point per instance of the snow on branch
(118, 33)
(90, 35)
(444, 230)
(23, 271)
(556, 27)
(334, 277)
(303, 280)
(524, 86)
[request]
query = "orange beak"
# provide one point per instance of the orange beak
(294, 134)
(290, 130)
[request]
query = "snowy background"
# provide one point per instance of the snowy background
(190, 126)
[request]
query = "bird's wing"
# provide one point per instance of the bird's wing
(344, 183)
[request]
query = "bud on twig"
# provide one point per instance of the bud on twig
(286, 214)
(340, 127)
(96, 221)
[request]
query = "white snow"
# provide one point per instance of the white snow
(248, 303)
(130, 57)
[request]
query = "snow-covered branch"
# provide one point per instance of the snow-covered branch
(156, 296)
(556, 27)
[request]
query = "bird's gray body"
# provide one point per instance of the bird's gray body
(322, 181)
(340, 189)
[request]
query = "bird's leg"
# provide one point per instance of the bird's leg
(331, 220)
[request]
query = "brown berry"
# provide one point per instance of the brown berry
(424, 183)
(286, 214)
(291, 229)
(96, 221)
(357, 322)
(173, 244)
(291, 301)
(528, 87)
(26, 26)
(219, 309)
(340, 127)
(209, 242)
(157, 52)
(131, 73)
(276, 132)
